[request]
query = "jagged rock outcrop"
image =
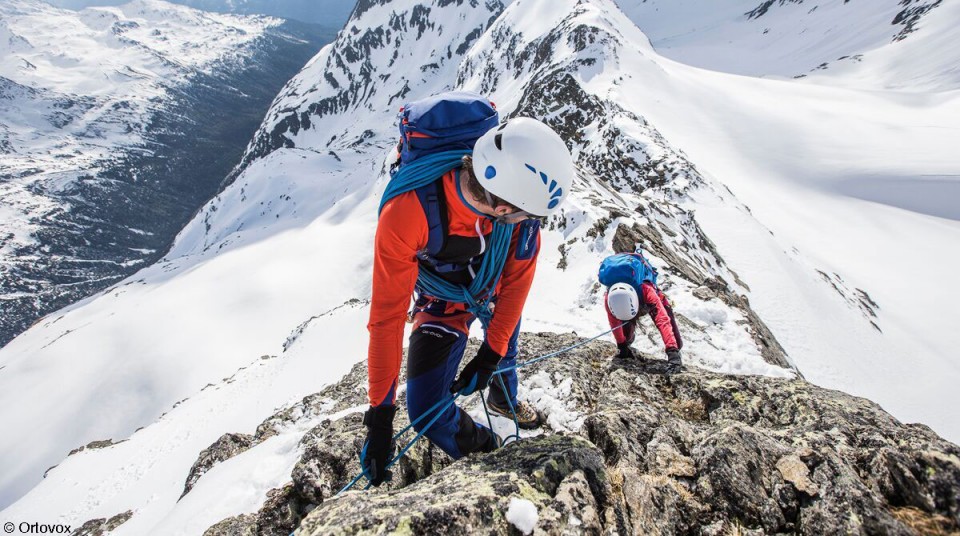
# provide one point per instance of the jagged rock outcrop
(564, 476)
(627, 238)
(692, 453)
(352, 77)
(228, 446)
(101, 526)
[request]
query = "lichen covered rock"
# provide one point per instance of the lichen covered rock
(474, 495)
(691, 453)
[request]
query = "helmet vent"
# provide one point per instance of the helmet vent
(498, 141)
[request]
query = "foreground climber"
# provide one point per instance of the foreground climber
(457, 224)
(632, 292)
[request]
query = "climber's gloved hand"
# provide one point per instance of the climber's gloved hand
(379, 447)
(674, 361)
(476, 375)
(626, 352)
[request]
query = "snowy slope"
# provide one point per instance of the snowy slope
(116, 124)
(264, 267)
(925, 59)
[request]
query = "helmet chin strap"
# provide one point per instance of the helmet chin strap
(489, 198)
(494, 217)
(505, 218)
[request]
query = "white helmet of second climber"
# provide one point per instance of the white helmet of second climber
(525, 163)
(623, 302)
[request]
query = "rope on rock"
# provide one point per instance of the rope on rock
(442, 405)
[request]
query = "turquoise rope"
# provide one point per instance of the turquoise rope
(478, 294)
(421, 172)
(513, 412)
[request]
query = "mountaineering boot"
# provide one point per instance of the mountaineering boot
(492, 443)
(674, 361)
(626, 352)
(527, 417)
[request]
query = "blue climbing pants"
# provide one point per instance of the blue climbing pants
(433, 359)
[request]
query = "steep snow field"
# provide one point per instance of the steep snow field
(270, 266)
(871, 45)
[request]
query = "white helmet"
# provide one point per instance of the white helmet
(525, 163)
(623, 302)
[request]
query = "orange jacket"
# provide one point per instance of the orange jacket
(401, 233)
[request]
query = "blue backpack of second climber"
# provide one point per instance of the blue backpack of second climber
(632, 268)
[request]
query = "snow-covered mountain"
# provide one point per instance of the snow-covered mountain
(327, 13)
(261, 301)
(116, 124)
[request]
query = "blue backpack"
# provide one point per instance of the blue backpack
(454, 120)
(435, 134)
(631, 268)
(447, 123)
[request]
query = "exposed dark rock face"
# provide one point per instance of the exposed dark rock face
(100, 527)
(913, 11)
(124, 215)
(693, 453)
(228, 446)
(100, 444)
(242, 525)
(762, 9)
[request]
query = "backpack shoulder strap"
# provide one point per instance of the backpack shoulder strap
(435, 209)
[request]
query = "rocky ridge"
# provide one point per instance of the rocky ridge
(692, 453)
(635, 184)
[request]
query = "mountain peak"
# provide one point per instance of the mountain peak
(386, 52)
